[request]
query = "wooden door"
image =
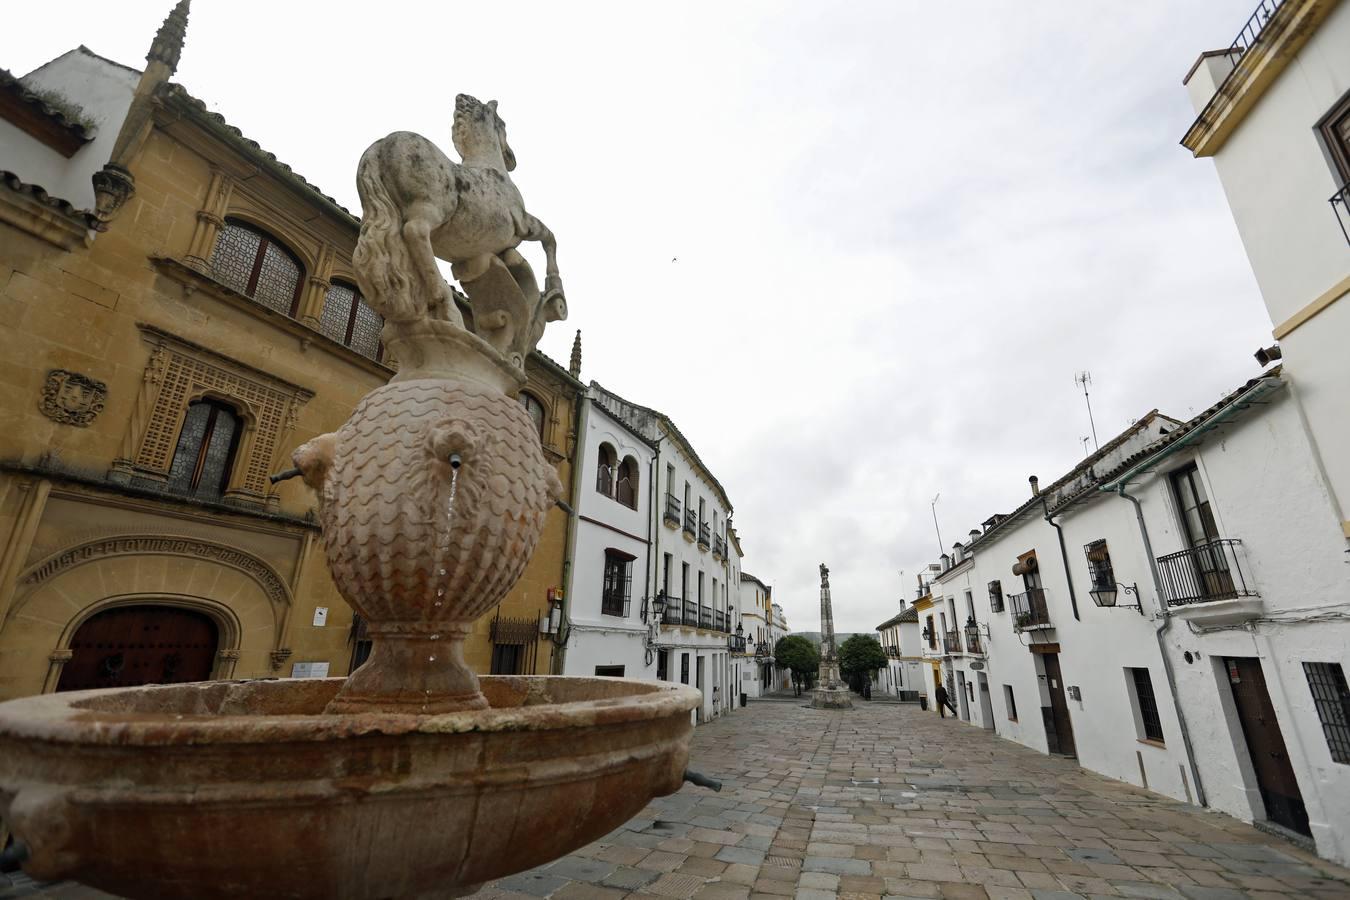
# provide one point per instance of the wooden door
(1265, 743)
(1059, 730)
(130, 645)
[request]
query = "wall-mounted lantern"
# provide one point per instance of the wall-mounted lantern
(1105, 595)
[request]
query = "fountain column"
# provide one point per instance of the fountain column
(831, 692)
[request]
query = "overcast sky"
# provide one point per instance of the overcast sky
(856, 251)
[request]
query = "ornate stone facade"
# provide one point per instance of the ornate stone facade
(71, 398)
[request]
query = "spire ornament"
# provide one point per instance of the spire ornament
(167, 47)
(574, 364)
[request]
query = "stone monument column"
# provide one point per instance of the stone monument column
(831, 692)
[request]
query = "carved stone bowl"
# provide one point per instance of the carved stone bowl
(245, 789)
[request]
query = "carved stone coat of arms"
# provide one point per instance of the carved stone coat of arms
(72, 398)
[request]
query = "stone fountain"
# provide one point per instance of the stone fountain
(412, 777)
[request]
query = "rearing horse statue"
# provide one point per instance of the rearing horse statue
(418, 205)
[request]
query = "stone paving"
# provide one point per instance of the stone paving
(887, 801)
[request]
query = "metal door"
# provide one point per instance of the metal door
(130, 645)
(1059, 729)
(1265, 743)
(986, 705)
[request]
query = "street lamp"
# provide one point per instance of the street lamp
(1105, 594)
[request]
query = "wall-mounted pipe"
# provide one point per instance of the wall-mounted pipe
(1063, 556)
(1159, 632)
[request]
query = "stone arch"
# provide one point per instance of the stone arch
(228, 629)
(243, 595)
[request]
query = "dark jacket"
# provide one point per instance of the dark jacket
(941, 694)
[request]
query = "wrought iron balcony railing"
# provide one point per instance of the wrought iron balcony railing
(1205, 573)
(672, 514)
(691, 613)
(1251, 30)
(690, 522)
(1029, 610)
(704, 535)
(705, 617)
(1340, 204)
(719, 620)
(736, 643)
(719, 546)
(951, 641)
(973, 644)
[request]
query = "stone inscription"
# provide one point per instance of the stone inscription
(122, 546)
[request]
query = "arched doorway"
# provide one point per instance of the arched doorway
(142, 644)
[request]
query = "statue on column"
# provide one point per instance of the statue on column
(831, 692)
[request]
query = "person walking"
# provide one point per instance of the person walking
(944, 700)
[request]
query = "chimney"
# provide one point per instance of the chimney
(974, 533)
(1035, 485)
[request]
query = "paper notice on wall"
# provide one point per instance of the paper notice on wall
(320, 616)
(309, 670)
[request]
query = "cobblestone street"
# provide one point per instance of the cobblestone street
(888, 801)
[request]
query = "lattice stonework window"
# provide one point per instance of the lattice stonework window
(204, 457)
(1332, 699)
(350, 321)
(205, 425)
(258, 266)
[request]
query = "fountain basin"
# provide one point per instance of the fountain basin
(243, 789)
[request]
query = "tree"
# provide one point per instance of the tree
(860, 656)
(798, 655)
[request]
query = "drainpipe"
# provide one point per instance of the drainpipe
(649, 585)
(1063, 557)
(580, 420)
(1159, 632)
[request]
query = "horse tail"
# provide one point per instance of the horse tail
(381, 258)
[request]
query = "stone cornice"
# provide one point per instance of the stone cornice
(1280, 40)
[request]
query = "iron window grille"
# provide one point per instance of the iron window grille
(1332, 699)
(535, 409)
(614, 598)
(1100, 573)
(205, 455)
(1011, 702)
(253, 263)
(349, 320)
(1148, 705)
(996, 596)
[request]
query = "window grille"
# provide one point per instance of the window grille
(615, 594)
(204, 457)
(536, 411)
(1332, 699)
(1100, 573)
(996, 596)
(349, 320)
(1148, 705)
(1011, 702)
(250, 262)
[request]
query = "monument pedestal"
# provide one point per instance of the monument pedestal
(831, 692)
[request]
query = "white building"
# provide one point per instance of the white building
(756, 619)
(609, 612)
(899, 637)
(1274, 115)
(778, 628)
(1259, 526)
(691, 566)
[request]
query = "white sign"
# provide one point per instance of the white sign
(309, 670)
(320, 616)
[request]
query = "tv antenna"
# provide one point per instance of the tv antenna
(935, 523)
(1084, 379)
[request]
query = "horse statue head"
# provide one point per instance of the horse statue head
(479, 133)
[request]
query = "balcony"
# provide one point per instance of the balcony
(1029, 610)
(892, 652)
(1251, 31)
(1340, 204)
(690, 524)
(736, 643)
(719, 546)
(672, 514)
(951, 642)
(1207, 583)
(973, 644)
(704, 535)
(705, 616)
(719, 620)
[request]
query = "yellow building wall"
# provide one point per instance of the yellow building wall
(82, 310)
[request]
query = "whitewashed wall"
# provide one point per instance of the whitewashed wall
(1265, 490)
(103, 91)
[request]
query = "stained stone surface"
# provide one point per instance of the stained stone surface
(957, 812)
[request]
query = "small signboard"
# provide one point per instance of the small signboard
(320, 616)
(977, 665)
(309, 670)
